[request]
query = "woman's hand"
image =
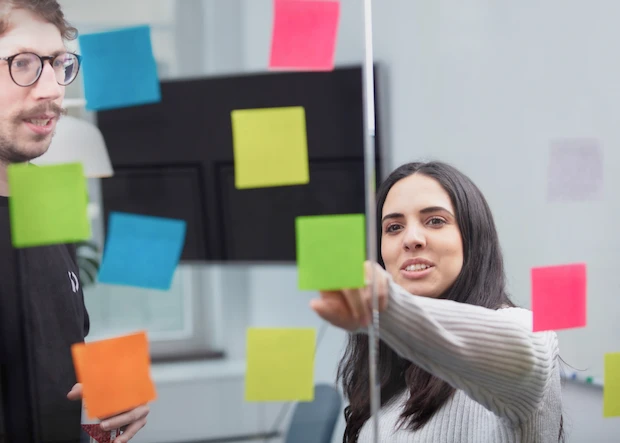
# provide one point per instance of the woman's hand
(351, 309)
(129, 422)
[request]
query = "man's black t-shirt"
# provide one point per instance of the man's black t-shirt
(56, 318)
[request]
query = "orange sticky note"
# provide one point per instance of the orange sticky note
(559, 297)
(115, 374)
(304, 34)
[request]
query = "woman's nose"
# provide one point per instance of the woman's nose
(414, 239)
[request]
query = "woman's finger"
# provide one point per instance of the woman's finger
(368, 271)
(335, 311)
(356, 304)
(376, 275)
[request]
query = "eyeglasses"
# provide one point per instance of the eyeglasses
(26, 68)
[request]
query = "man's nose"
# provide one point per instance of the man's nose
(47, 87)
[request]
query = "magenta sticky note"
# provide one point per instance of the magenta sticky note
(575, 170)
(304, 35)
(559, 297)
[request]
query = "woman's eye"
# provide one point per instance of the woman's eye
(392, 228)
(436, 221)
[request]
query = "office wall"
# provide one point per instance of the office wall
(447, 66)
(431, 59)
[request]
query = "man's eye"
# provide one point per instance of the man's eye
(21, 64)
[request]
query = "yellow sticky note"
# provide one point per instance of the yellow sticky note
(611, 386)
(270, 147)
(280, 364)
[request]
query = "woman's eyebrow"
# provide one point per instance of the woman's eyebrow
(435, 209)
(427, 210)
(391, 216)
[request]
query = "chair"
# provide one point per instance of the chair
(314, 422)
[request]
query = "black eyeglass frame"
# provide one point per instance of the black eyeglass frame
(43, 59)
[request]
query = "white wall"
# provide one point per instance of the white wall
(445, 64)
(435, 84)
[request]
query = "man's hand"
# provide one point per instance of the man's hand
(131, 421)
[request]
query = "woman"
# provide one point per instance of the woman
(458, 362)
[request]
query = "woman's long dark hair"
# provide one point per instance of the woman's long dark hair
(481, 282)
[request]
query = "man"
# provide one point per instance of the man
(42, 310)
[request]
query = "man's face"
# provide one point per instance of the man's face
(28, 115)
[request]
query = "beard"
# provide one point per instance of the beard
(12, 151)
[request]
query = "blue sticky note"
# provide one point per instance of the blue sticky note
(119, 68)
(142, 250)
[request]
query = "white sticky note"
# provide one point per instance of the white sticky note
(575, 170)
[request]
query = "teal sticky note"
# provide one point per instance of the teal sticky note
(331, 250)
(142, 250)
(119, 68)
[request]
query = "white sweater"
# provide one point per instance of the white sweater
(507, 377)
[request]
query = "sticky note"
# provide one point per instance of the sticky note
(142, 250)
(270, 147)
(331, 250)
(119, 68)
(559, 297)
(115, 374)
(48, 204)
(611, 385)
(575, 170)
(304, 34)
(280, 364)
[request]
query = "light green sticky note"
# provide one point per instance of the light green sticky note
(48, 204)
(280, 364)
(611, 385)
(270, 147)
(331, 250)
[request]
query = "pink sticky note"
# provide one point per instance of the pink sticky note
(559, 297)
(304, 34)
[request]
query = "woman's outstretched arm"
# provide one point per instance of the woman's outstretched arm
(492, 355)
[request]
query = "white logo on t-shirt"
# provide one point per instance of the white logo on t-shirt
(75, 283)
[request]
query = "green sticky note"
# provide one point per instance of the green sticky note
(331, 250)
(611, 385)
(47, 204)
(270, 147)
(280, 364)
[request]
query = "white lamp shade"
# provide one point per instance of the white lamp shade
(77, 140)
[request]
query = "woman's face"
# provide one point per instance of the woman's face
(421, 243)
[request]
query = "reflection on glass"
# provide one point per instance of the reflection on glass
(115, 310)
